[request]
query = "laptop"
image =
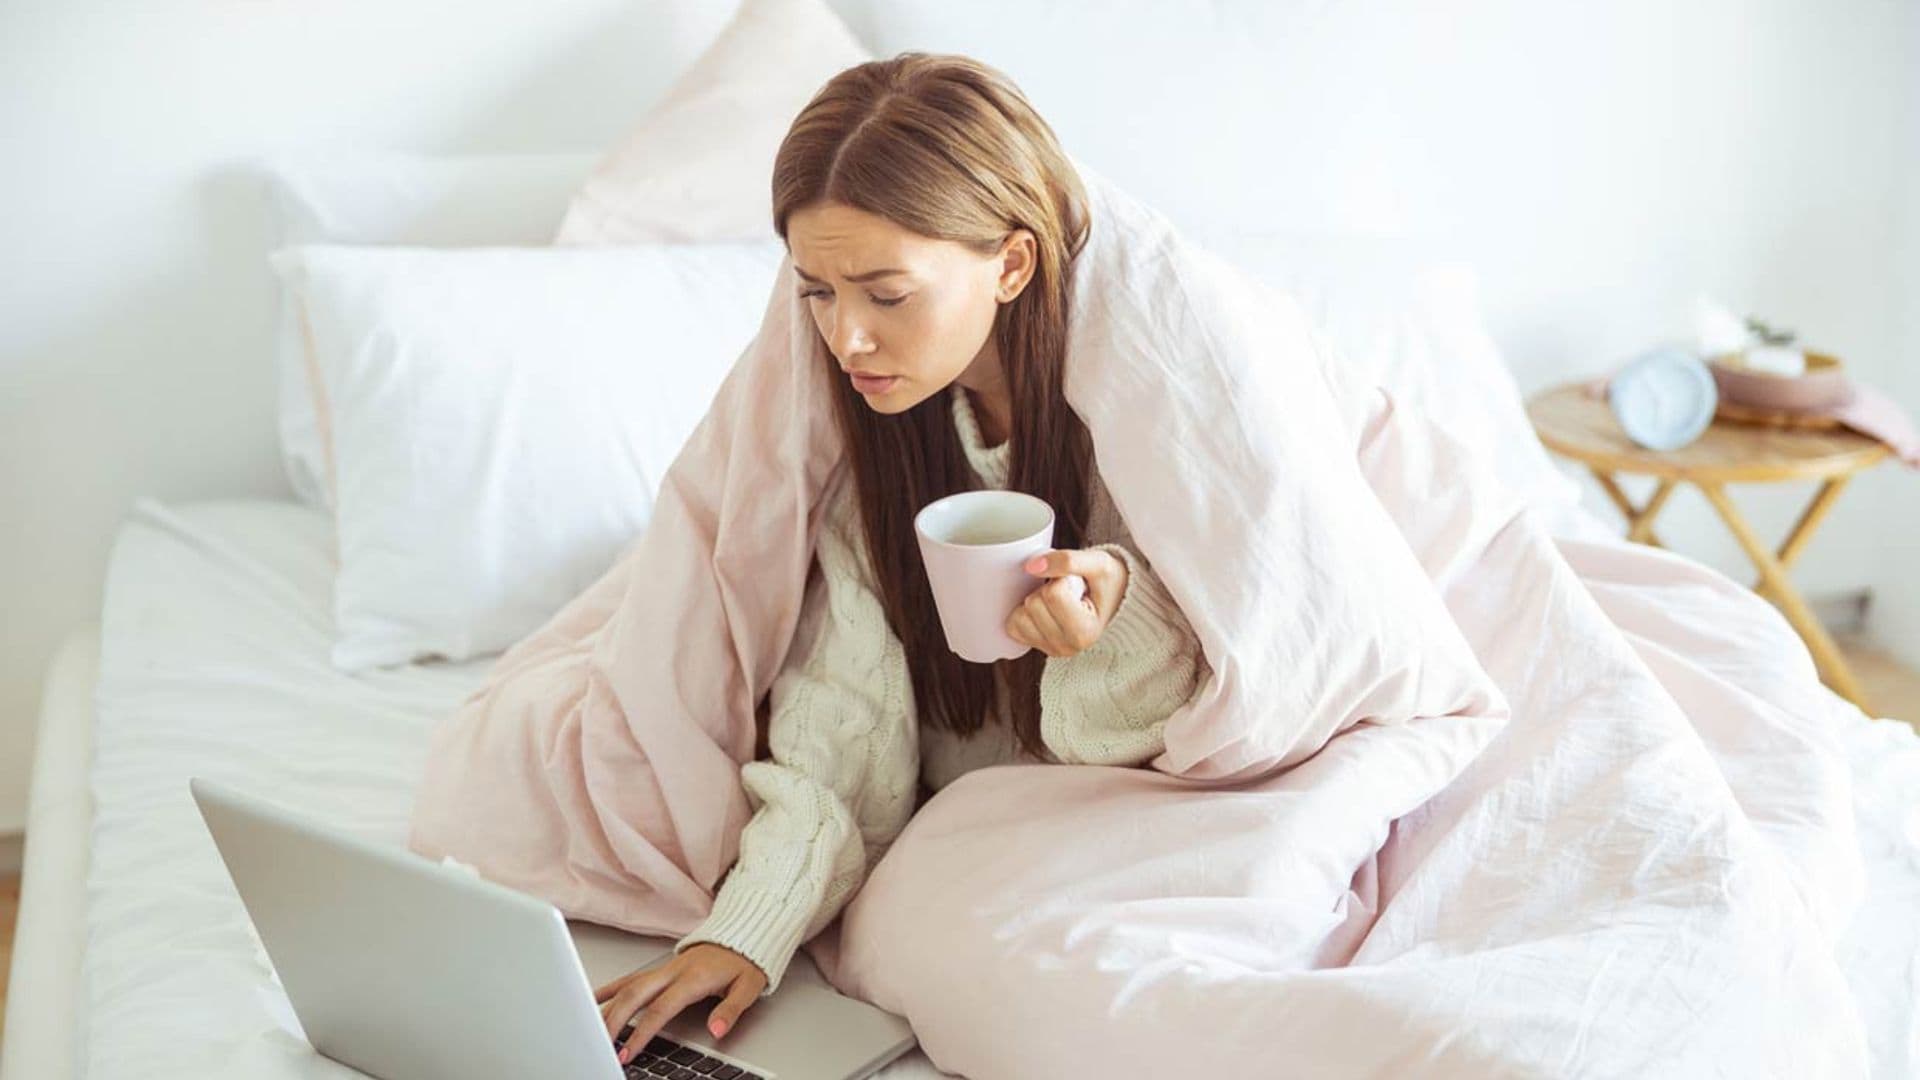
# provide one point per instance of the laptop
(408, 969)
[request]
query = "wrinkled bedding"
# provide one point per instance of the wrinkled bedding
(214, 662)
(1611, 889)
(1441, 807)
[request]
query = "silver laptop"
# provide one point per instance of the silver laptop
(407, 969)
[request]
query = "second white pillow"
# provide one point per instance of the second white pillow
(340, 195)
(501, 420)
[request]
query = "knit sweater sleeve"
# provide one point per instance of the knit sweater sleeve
(845, 762)
(1109, 704)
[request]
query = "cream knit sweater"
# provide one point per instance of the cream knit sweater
(850, 759)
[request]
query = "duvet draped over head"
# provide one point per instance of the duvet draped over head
(1346, 794)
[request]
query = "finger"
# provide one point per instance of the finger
(1035, 634)
(605, 993)
(1063, 561)
(1064, 595)
(663, 1008)
(1041, 614)
(1021, 629)
(746, 990)
(1073, 588)
(645, 1026)
(1066, 605)
(637, 992)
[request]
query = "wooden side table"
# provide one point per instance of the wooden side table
(1577, 423)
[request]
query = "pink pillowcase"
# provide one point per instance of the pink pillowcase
(672, 180)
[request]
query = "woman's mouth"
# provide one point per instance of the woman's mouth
(867, 384)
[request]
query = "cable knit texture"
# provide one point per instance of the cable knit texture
(849, 759)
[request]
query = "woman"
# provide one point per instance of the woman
(931, 218)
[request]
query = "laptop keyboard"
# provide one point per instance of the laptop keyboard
(664, 1059)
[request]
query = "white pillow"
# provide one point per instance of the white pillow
(1410, 322)
(502, 418)
(382, 197)
(699, 165)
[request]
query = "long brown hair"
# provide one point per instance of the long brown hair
(948, 148)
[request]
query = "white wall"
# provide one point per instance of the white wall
(134, 306)
(1600, 163)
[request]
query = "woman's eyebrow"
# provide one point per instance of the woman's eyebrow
(868, 276)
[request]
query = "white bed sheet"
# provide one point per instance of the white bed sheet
(215, 634)
(214, 662)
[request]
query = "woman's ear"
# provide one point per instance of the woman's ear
(1019, 258)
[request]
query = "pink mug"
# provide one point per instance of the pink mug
(975, 546)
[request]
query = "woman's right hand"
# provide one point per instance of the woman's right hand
(700, 971)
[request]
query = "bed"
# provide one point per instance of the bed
(217, 654)
(134, 953)
(210, 659)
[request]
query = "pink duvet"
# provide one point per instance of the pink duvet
(1458, 800)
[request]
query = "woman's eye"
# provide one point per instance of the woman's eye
(883, 301)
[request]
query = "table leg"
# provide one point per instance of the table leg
(1775, 586)
(1815, 512)
(1639, 519)
(1640, 526)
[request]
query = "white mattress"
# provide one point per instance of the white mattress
(52, 922)
(213, 662)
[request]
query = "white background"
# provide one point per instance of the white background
(1601, 164)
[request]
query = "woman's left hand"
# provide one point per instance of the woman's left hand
(1066, 615)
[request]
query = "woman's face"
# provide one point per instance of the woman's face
(914, 311)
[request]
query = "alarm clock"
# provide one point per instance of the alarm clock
(1664, 398)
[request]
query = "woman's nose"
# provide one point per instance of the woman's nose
(850, 339)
